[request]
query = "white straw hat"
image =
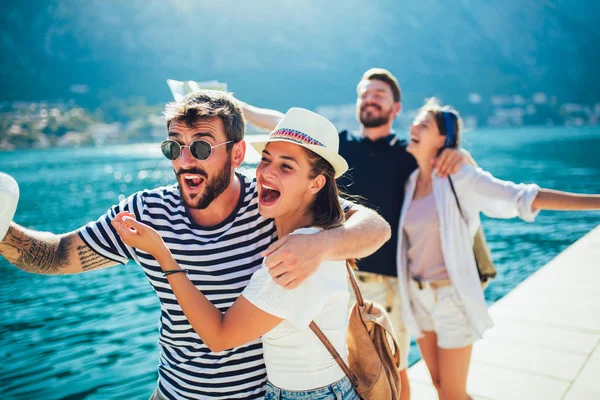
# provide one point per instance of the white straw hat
(9, 197)
(310, 130)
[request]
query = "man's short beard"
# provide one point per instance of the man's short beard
(375, 122)
(213, 188)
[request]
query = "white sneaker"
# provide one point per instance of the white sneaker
(9, 197)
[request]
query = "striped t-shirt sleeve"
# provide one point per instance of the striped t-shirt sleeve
(101, 237)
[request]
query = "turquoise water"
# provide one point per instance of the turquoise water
(94, 335)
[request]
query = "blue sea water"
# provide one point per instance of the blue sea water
(94, 335)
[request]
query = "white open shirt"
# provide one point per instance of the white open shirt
(477, 191)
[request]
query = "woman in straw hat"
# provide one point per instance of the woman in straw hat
(437, 269)
(296, 178)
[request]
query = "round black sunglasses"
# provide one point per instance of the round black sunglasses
(200, 149)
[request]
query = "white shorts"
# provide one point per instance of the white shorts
(443, 312)
(385, 291)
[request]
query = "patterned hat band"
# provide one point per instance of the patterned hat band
(294, 136)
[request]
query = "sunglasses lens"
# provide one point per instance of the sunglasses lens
(200, 149)
(170, 149)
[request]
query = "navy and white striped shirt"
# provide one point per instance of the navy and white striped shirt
(220, 260)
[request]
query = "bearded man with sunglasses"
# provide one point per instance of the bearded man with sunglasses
(211, 224)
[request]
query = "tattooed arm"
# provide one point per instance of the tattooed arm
(50, 254)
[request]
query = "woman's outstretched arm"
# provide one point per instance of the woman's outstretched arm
(504, 199)
(548, 199)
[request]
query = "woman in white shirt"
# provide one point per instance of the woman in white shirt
(437, 270)
(296, 187)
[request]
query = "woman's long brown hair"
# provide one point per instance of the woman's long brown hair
(326, 208)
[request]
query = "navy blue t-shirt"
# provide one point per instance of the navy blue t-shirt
(378, 173)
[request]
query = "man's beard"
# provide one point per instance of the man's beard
(212, 188)
(375, 122)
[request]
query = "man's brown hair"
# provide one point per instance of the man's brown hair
(207, 104)
(386, 76)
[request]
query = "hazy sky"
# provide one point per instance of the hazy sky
(310, 51)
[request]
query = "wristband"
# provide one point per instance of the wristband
(174, 271)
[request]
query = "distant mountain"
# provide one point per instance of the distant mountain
(306, 53)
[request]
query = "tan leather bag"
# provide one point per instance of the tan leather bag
(373, 352)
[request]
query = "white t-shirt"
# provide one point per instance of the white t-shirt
(295, 358)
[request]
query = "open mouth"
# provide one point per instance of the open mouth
(192, 182)
(414, 140)
(268, 195)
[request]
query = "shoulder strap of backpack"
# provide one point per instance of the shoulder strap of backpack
(355, 287)
(456, 198)
(313, 326)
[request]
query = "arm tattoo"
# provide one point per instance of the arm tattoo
(37, 252)
(90, 259)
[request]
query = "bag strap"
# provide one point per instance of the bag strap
(456, 198)
(338, 359)
(481, 277)
(355, 288)
(315, 328)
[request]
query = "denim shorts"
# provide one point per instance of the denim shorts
(340, 390)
